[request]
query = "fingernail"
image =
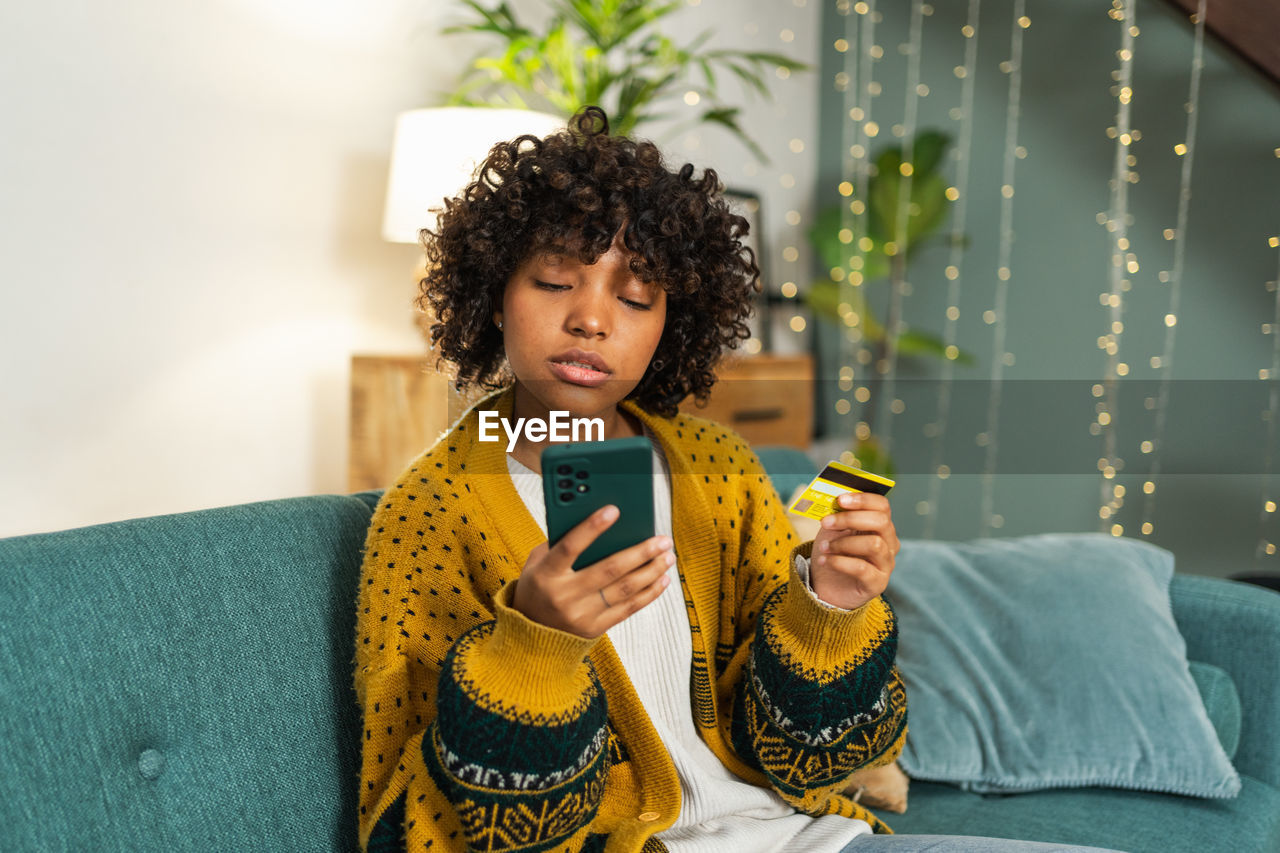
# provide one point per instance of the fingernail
(670, 558)
(609, 513)
(828, 522)
(848, 500)
(824, 546)
(820, 560)
(664, 543)
(666, 581)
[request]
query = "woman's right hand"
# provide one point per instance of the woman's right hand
(592, 600)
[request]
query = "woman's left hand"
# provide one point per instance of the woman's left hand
(854, 551)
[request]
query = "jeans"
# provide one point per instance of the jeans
(955, 844)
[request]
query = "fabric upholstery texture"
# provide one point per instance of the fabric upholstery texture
(1115, 819)
(182, 682)
(1047, 662)
(1236, 626)
(1221, 703)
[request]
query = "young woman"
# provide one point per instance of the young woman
(711, 688)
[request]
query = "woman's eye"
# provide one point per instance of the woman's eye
(549, 286)
(639, 305)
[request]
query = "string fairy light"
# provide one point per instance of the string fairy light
(852, 160)
(693, 142)
(792, 262)
(1267, 548)
(996, 316)
(859, 120)
(938, 428)
(846, 82)
(1185, 150)
(1117, 222)
(796, 323)
(900, 245)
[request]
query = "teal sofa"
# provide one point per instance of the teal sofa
(183, 683)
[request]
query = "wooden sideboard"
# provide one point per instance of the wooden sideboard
(767, 399)
(400, 405)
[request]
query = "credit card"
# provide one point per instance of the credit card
(818, 500)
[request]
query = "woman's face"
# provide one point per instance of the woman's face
(579, 337)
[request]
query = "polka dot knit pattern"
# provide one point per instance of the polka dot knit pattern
(483, 730)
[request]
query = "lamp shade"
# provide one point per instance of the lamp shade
(435, 155)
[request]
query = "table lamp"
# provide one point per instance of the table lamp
(435, 154)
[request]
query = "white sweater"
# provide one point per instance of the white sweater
(719, 812)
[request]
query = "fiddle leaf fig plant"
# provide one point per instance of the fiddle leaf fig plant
(886, 240)
(887, 249)
(609, 53)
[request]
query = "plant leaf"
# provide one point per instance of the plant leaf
(728, 117)
(749, 77)
(875, 266)
(824, 236)
(760, 58)
(592, 49)
(915, 343)
(883, 189)
(825, 297)
(871, 456)
(927, 150)
(709, 74)
(499, 21)
(929, 200)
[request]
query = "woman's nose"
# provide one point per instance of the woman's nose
(589, 316)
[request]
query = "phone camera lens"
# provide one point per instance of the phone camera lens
(566, 496)
(581, 475)
(583, 487)
(563, 469)
(564, 484)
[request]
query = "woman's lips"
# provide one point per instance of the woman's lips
(578, 374)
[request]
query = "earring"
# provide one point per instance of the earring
(657, 365)
(499, 324)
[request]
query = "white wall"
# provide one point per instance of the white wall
(190, 242)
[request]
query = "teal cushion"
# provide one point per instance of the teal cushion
(183, 682)
(1050, 661)
(1221, 703)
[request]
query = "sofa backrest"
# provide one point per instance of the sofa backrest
(183, 682)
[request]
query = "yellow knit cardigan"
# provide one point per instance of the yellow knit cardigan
(484, 730)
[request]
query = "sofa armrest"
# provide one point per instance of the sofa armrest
(1237, 627)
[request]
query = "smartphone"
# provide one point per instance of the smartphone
(578, 479)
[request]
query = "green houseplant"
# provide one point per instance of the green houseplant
(877, 246)
(609, 53)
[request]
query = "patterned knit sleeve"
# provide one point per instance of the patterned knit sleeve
(819, 696)
(481, 729)
(518, 744)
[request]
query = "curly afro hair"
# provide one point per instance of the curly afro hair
(577, 188)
